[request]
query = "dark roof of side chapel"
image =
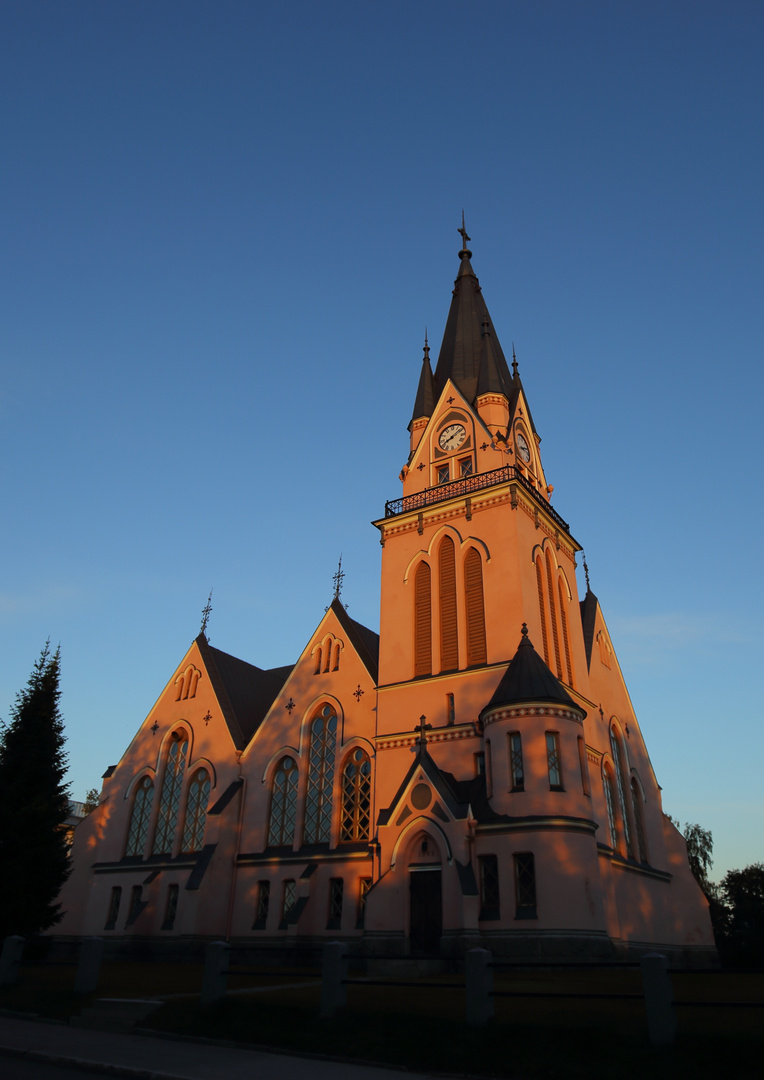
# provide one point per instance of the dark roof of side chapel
(460, 357)
(245, 692)
(529, 679)
(589, 606)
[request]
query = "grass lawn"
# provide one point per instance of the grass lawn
(422, 1028)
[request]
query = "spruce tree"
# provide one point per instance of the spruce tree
(34, 804)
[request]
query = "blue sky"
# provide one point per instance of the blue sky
(225, 226)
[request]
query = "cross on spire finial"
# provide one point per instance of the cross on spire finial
(206, 612)
(586, 572)
(465, 239)
(426, 346)
(421, 728)
(338, 579)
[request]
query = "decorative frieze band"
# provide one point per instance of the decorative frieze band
(552, 711)
(441, 735)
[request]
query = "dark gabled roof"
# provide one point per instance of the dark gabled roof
(424, 404)
(460, 357)
(589, 606)
(365, 641)
(529, 679)
(245, 692)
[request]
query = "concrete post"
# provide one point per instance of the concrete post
(333, 970)
(215, 979)
(479, 984)
(13, 949)
(659, 999)
(89, 965)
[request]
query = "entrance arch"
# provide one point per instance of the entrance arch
(425, 896)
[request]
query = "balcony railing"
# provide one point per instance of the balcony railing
(466, 486)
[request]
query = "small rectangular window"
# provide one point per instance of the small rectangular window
(171, 907)
(113, 912)
(336, 889)
(262, 905)
(516, 761)
(136, 904)
(288, 902)
(465, 467)
(554, 765)
(525, 886)
(450, 709)
(584, 766)
(363, 891)
(489, 886)
(488, 770)
(444, 474)
(480, 764)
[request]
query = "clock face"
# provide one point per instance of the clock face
(452, 437)
(522, 448)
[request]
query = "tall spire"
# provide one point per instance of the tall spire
(424, 404)
(461, 351)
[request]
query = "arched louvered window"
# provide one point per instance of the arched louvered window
(565, 639)
(542, 608)
(318, 800)
(639, 819)
(356, 797)
(169, 803)
(615, 749)
(553, 613)
(196, 811)
(283, 804)
(449, 643)
(422, 620)
(138, 830)
(473, 590)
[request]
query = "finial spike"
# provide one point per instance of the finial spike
(206, 612)
(524, 630)
(514, 360)
(465, 239)
(338, 579)
(426, 346)
(586, 571)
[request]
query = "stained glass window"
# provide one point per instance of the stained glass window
(516, 761)
(364, 885)
(617, 762)
(356, 797)
(138, 830)
(318, 800)
(283, 804)
(171, 909)
(263, 904)
(639, 820)
(169, 804)
(525, 886)
(336, 890)
(290, 898)
(114, 901)
(554, 765)
(196, 811)
(489, 887)
(607, 784)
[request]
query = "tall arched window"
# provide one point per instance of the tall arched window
(318, 800)
(196, 811)
(639, 819)
(449, 640)
(615, 749)
(564, 621)
(553, 613)
(138, 830)
(474, 604)
(283, 804)
(542, 608)
(169, 803)
(422, 620)
(356, 797)
(607, 784)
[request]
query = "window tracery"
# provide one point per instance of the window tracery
(196, 811)
(318, 799)
(283, 816)
(169, 803)
(138, 829)
(356, 797)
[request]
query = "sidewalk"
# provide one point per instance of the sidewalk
(149, 1056)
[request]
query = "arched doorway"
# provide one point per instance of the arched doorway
(425, 897)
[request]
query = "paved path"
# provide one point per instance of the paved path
(147, 1056)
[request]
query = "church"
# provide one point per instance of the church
(473, 775)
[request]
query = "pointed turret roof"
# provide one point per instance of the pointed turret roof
(461, 351)
(424, 405)
(515, 392)
(529, 679)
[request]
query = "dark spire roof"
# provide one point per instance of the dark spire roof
(515, 391)
(425, 395)
(460, 357)
(529, 679)
(588, 606)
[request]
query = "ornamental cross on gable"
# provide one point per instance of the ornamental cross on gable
(422, 728)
